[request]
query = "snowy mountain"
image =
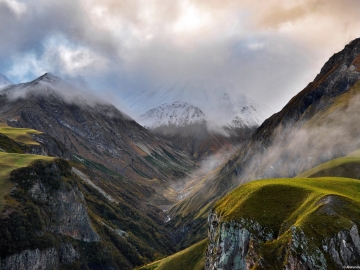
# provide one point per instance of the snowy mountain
(175, 114)
(218, 105)
(4, 81)
(199, 117)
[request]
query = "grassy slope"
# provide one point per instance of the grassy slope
(10, 161)
(21, 135)
(321, 207)
(144, 242)
(294, 197)
(347, 166)
(192, 258)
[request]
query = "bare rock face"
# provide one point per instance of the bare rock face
(32, 260)
(72, 216)
(60, 213)
(344, 247)
(40, 259)
(67, 254)
(235, 245)
(302, 253)
(70, 212)
(229, 243)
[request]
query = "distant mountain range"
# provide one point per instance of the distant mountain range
(193, 101)
(199, 117)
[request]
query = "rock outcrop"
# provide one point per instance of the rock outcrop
(230, 243)
(40, 259)
(69, 210)
(240, 245)
(31, 260)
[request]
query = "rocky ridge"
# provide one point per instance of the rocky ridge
(235, 245)
(261, 224)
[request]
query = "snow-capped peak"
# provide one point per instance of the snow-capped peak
(172, 114)
(4, 81)
(219, 104)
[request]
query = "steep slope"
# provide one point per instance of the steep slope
(321, 110)
(55, 214)
(4, 81)
(317, 125)
(192, 258)
(54, 219)
(15, 148)
(95, 131)
(309, 224)
(347, 166)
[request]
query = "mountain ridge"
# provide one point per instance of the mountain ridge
(316, 125)
(4, 81)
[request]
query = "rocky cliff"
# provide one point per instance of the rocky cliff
(53, 219)
(77, 126)
(41, 259)
(324, 236)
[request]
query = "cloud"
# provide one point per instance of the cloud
(269, 50)
(297, 147)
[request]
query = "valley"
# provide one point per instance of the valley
(84, 186)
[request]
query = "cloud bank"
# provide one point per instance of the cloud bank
(267, 50)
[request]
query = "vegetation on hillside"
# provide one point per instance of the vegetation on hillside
(192, 258)
(22, 135)
(321, 207)
(10, 162)
(347, 166)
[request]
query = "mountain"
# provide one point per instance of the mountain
(95, 194)
(199, 117)
(317, 125)
(4, 81)
(177, 114)
(92, 130)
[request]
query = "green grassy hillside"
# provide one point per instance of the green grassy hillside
(321, 207)
(10, 162)
(192, 258)
(142, 237)
(22, 135)
(13, 143)
(348, 166)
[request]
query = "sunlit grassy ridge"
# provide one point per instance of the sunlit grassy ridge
(192, 258)
(20, 134)
(284, 197)
(278, 204)
(347, 166)
(320, 207)
(12, 161)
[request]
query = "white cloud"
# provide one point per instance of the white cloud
(17, 7)
(270, 49)
(61, 57)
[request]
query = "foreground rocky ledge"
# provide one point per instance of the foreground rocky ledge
(240, 245)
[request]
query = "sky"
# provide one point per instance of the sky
(269, 50)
